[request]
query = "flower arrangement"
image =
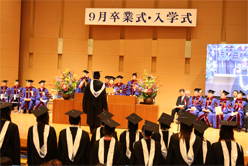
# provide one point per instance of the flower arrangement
(66, 83)
(148, 86)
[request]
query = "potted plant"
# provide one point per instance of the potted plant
(148, 88)
(66, 83)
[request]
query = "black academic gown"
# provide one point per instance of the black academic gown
(93, 137)
(32, 154)
(83, 154)
(118, 153)
(131, 143)
(174, 156)
(157, 137)
(93, 106)
(11, 144)
(218, 157)
(208, 160)
(137, 157)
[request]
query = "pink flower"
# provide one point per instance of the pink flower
(65, 89)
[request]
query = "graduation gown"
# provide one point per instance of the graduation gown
(41, 93)
(118, 153)
(15, 90)
(29, 93)
(6, 91)
(93, 136)
(137, 157)
(32, 154)
(131, 143)
(83, 153)
(208, 157)
(195, 101)
(120, 89)
(218, 157)
(93, 106)
(130, 88)
(174, 156)
(11, 143)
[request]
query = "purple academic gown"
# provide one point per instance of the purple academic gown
(6, 91)
(130, 90)
(237, 106)
(195, 101)
(45, 96)
(120, 89)
(78, 90)
(208, 104)
(30, 93)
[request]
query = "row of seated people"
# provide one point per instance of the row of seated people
(153, 146)
(213, 110)
(29, 97)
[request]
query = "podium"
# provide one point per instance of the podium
(78, 105)
(121, 107)
(60, 107)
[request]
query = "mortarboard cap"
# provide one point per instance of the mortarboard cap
(5, 106)
(134, 74)
(5, 81)
(110, 124)
(107, 77)
(17, 80)
(228, 123)
(42, 81)
(187, 118)
(242, 93)
(85, 71)
(225, 92)
(200, 126)
(165, 119)
(197, 89)
(74, 113)
(40, 111)
(134, 118)
(150, 126)
(119, 76)
(96, 74)
(211, 91)
(30, 81)
(112, 78)
(105, 115)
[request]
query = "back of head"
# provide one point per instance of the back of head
(226, 133)
(5, 113)
(164, 126)
(74, 121)
(5, 161)
(132, 127)
(185, 132)
(146, 132)
(54, 162)
(198, 134)
(43, 119)
(108, 130)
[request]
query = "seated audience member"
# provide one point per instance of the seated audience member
(201, 94)
(4, 92)
(42, 95)
(74, 143)
(10, 139)
(207, 108)
(185, 147)
(235, 95)
(181, 104)
(187, 93)
(130, 136)
(107, 150)
(120, 88)
(164, 135)
(15, 94)
(246, 116)
(227, 152)
(28, 97)
(195, 103)
(133, 86)
(147, 151)
(199, 128)
(107, 78)
(237, 112)
(111, 85)
(42, 140)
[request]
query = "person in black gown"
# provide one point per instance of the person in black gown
(94, 101)
(42, 140)
(10, 142)
(164, 135)
(107, 150)
(199, 128)
(185, 146)
(130, 136)
(98, 132)
(226, 151)
(74, 143)
(147, 151)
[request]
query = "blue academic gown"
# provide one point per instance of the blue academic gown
(6, 91)
(225, 107)
(237, 106)
(208, 104)
(119, 87)
(78, 90)
(195, 101)
(45, 96)
(130, 90)
(30, 93)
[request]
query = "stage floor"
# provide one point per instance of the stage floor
(24, 121)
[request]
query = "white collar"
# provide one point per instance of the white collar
(234, 153)
(148, 158)
(98, 133)
(110, 154)
(3, 132)
(128, 152)
(163, 146)
(94, 93)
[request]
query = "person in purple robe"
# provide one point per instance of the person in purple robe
(133, 86)
(4, 92)
(83, 82)
(28, 97)
(15, 94)
(42, 95)
(120, 88)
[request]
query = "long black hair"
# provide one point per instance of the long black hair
(5, 113)
(42, 121)
(185, 132)
(226, 133)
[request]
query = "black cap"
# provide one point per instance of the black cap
(40, 111)
(110, 124)
(74, 113)
(96, 74)
(225, 92)
(30, 81)
(187, 118)
(112, 78)
(200, 126)
(165, 119)
(134, 74)
(5, 106)
(17, 80)
(5, 81)
(105, 115)
(119, 76)
(211, 91)
(42, 81)
(150, 126)
(85, 71)
(228, 123)
(134, 118)
(242, 93)
(107, 77)
(197, 89)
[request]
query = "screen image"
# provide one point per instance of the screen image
(227, 68)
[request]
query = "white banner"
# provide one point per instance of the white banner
(140, 17)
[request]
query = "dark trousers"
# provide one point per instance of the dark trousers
(246, 121)
(180, 112)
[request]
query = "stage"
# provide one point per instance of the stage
(24, 121)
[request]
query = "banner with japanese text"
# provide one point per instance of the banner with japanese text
(140, 17)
